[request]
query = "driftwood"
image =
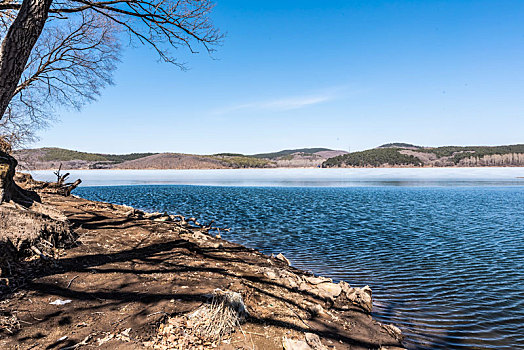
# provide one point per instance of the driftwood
(209, 227)
(60, 178)
(182, 220)
(60, 186)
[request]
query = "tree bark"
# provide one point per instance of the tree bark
(17, 46)
(9, 190)
(7, 172)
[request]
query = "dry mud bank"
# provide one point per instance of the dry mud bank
(146, 281)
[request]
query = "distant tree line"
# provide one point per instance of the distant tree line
(481, 151)
(372, 158)
(241, 161)
(447, 156)
(64, 155)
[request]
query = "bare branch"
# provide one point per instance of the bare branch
(77, 52)
(69, 66)
(162, 24)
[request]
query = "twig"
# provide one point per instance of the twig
(300, 318)
(69, 284)
(243, 333)
(259, 334)
(252, 342)
(83, 342)
(35, 318)
(39, 253)
(47, 242)
(156, 313)
(7, 329)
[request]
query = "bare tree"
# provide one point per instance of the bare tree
(76, 52)
(69, 65)
(161, 24)
(65, 51)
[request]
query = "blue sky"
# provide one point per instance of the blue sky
(335, 74)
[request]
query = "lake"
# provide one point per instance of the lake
(442, 248)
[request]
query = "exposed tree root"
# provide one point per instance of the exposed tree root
(27, 227)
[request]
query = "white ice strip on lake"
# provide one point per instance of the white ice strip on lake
(297, 177)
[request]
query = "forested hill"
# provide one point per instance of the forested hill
(407, 155)
(52, 158)
(388, 155)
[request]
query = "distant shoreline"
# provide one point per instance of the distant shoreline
(275, 168)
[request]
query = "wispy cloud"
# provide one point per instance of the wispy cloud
(296, 102)
(281, 104)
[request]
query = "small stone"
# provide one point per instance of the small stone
(314, 341)
(358, 296)
(317, 280)
(304, 287)
(316, 310)
(393, 330)
(329, 290)
(289, 282)
(152, 216)
(271, 274)
(281, 257)
(198, 235)
(292, 344)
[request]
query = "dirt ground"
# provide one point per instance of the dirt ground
(131, 280)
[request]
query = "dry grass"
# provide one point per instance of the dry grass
(205, 327)
(9, 323)
(219, 318)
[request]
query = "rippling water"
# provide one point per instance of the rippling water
(446, 264)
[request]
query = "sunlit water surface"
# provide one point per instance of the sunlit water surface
(442, 251)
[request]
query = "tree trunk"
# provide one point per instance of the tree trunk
(17, 46)
(7, 172)
(9, 190)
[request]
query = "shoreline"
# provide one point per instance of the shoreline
(275, 168)
(154, 269)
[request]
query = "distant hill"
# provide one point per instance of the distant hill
(398, 144)
(288, 152)
(61, 154)
(406, 155)
(52, 158)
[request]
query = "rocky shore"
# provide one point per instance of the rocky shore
(135, 280)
